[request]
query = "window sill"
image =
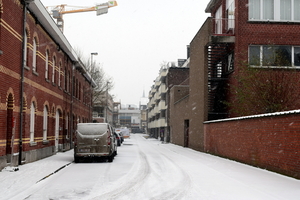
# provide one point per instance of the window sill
(35, 73)
(27, 68)
(272, 22)
(275, 67)
(45, 142)
(33, 144)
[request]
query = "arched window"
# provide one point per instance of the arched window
(53, 69)
(45, 123)
(59, 74)
(65, 80)
(79, 95)
(34, 49)
(32, 121)
(25, 49)
(47, 65)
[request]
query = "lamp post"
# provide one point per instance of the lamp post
(106, 111)
(93, 54)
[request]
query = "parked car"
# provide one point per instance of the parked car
(121, 135)
(118, 138)
(94, 140)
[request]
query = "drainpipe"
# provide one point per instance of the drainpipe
(23, 64)
(71, 112)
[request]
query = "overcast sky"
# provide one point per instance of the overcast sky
(134, 38)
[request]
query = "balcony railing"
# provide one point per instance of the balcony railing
(224, 26)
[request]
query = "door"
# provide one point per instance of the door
(186, 133)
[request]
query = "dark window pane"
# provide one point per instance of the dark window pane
(254, 55)
(276, 56)
(297, 56)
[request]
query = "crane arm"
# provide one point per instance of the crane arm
(59, 10)
(78, 10)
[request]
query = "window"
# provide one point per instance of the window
(285, 9)
(218, 28)
(65, 80)
(32, 121)
(266, 55)
(59, 74)
(45, 123)
(47, 65)
(34, 49)
(297, 56)
(274, 10)
(268, 9)
(25, 49)
(79, 95)
(230, 14)
(296, 10)
(53, 69)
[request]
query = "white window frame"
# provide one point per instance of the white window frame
(261, 57)
(32, 121)
(218, 21)
(45, 123)
(53, 68)
(25, 49)
(47, 64)
(59, 74)
(230, 7)
(34, 53)
(276, 11)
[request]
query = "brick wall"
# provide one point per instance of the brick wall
(270, 142)
(56, 96)
(179, 112)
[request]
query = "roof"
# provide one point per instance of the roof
(211, 5)
(47, 22)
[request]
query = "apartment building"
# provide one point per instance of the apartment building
(239, 34)
(45, 90)
(159, 98)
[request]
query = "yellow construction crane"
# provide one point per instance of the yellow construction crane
(58, 11)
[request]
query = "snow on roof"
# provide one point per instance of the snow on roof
(255, 116)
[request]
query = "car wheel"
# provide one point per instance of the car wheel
(110, 158)
(76, 159)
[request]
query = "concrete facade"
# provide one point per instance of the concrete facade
(159, 100)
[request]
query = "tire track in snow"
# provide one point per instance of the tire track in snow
(130, 183)
(178, 190)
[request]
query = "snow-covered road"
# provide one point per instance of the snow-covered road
(147, 169)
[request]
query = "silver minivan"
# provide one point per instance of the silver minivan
(94, 140)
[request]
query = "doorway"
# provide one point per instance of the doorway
(186, 132)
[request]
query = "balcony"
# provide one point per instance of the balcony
(223, 31)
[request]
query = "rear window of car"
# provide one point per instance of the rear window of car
(92, 128)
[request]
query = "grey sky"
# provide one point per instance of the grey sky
(134, 38)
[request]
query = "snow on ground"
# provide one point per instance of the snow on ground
(12, 183)
(153, 171)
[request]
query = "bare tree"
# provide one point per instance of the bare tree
(265, 89)
(103, 82)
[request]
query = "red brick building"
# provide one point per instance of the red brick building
(45, 90)
(250, 33)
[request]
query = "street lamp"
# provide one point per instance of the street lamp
(93, 54)
(106, 111)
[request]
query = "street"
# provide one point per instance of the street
(148, 169)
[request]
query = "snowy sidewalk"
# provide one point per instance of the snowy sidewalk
(31, 173)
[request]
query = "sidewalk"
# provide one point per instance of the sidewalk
(12, 183)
